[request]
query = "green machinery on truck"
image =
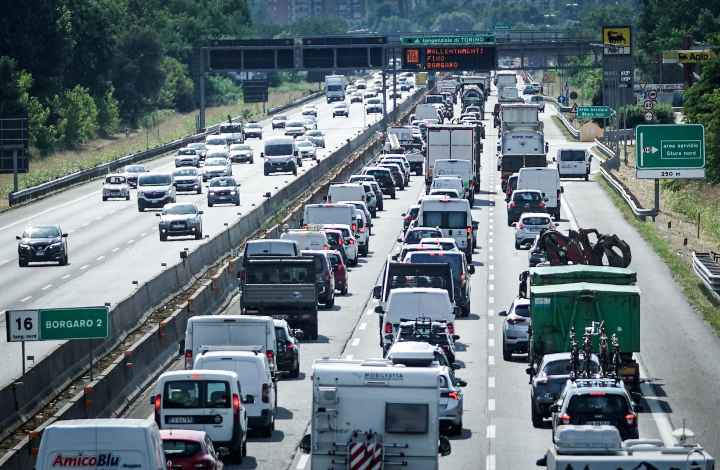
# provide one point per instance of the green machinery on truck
(571, 298)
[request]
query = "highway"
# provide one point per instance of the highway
(498, 433)
(111, 244)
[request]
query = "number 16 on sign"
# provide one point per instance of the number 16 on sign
(22, 325)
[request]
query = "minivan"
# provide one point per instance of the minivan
(574, 163)
(307, 239)
(346, 192)
(324, 278)
(545, 180)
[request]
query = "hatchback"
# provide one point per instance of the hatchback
(189, 450)
(522, 201)
(530, 226)
(516, 328)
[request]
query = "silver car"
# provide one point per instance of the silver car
(180, 219)
(215, 167)
(187, 157)
(305, 149)
(155, 190)
(187, 180)
(115, 186)
(278, 122)
(516, 327)
(451, 402)
(529, 226)
(295, 128)
(316, 137)
(241, 153)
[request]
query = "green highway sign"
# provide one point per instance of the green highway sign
(594, 112)
(670, 151)
(449, 39)
(53, 324)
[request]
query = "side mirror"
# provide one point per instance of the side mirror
(460, 382)
(514, 224)
(403, 214)
(400, 239)
(249, 399)
(557, 224)
(298, 334)
(530, 371)
(379, 309)
(542, 462)
(65, 235)
(157, 214)
(546, 199)
(562, 189)
(377, 292)
(455, 366)
(471, 269)
(444, 448)
(502, 313)
(455, 337)
(305, 444)
(262, 154)
(18, 237)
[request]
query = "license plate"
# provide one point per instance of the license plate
(598, 423)
(180, 419)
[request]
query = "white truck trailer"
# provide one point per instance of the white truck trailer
(374, 414)
(453, 142)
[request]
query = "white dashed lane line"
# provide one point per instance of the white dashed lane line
(115, 250)
(130, 242)
(491, 382)
(65, 276)
(490, 433)
(362, 326)
(355, 342)
(84, 267)
(491, 404)
(25, 299)
(100, 258)
(47, 287)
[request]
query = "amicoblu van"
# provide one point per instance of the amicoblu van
(545, 180)
(452, 216)
(573, 163)
(101, 444)
(256, 381)
(204, 400)
(229, 330)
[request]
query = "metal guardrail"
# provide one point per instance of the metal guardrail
(707, 267)
(570, 128)
(627, 196)
(81, 176)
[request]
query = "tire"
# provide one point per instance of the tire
(507, 353)
(466, 310)
(509, 222)
(330, 303)
(265, 172)
(243, 449)
(354, 262)
(127, 198)
(104, 198)
(267, 431)
(587, 176)
(141, 208)
(22, 263)
(300, 163)
(64, 260)
(295, 372)
(198, 235)
(344, 291)
(456, 429)
(557, 215)
(374, 213)
(294, 172)
(517, 245)
(210, 204)
(392, 196)
(312, 331)
(163, 237)
(535, 417)
(237, 203)
(252, 161)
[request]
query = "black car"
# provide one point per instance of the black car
(223, 190)
(288, 353)
(398, 176)
(323, 277)
(42, 243)
(384, 178)
(526, 200)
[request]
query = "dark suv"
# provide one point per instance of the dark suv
(324, 277)
(384, 178)
(288, 353)
(525, 200)
(42, 243)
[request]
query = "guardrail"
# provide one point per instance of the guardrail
(626, 195)
(81, 176)
(570, 128)
(42, 383)
(707, 267)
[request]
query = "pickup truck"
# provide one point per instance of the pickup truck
(283, 288)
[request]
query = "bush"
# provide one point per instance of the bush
(221, 90)
(636, 115)
(108, 113)
(77, 116)
(178, 90)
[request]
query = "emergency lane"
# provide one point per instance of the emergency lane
(336, 328)
(104, 236)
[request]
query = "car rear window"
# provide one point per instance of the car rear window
(280, 274)
(526, 197)
(453, 259)
(445, 219)
(414, 236)
(180, 448)
(597, 404)
(189, 394)
(536, 221)
(572, 155)
(522, 310)
(562, 367)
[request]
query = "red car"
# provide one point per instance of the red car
(339, 270)
(189, 450)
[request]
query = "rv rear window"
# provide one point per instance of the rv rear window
(189, 394)
(406, 418)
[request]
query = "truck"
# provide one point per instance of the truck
(523, 115)
(522, 142)
(283, 288)
(335, 88)
(509, 94)
(600, 448)
(456, 142)
(472, 96)
(505, 78)
(566, 298)
(411, 145)
(481, 80)
(374, 414)
(427, 111)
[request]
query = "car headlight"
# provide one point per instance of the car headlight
(24, 246)
(233, 192)
(211, 193)
(55, 244)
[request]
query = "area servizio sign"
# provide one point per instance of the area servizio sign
(673, 151)
(593, 112)
(53, 324)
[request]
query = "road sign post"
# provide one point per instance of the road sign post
(57, 324)
(672, 151)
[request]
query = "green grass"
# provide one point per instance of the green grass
(696, 201)
(691, 285)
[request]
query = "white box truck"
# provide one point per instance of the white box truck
(374, 414)
(335, 88)
(452, 142)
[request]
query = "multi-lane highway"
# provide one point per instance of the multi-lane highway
(111, 244)
(498, 433)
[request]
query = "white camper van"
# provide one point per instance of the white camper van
(367, 409)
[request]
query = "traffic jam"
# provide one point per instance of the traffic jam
(401, 241)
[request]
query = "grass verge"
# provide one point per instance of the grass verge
(563, 129)
(691, 285)
(170, 125)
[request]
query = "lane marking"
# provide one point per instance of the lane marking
(349, 357)
(100, 258)
(491, 342)
(662, 422)
(114, 250)
(369, 313)
(491, 326)
(143, 234)
(491, 287)
(6, 261)
(491, 257)
(47, 287)
(491, 267)
(65, 276)
(355, 342)
(490, 248)
(490, 433)
(491, 277)
(302, 461)
(85, 225)
(491, 404)
(362, 326)
(491, 313)
(131, 242)
(491, 300)
(491, 360)
(84, 267)
(51, 209)
(25, 299)
(489, 461)
(491, 382)
(491, 240)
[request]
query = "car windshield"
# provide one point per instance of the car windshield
(273, 150)
(597, 403)
(186, 172)
(295, 124)
(216, 142)
(187, 152)
(240, 147)
(155, 180)
(413, 237)
(281, 117)
(315, 133)
(453, 259)
(115, 180)
(181, 209)
(180, 448)
(221, 182)
(527, 197)
(253, 125)
(42, 232)
(572, 155)
(135, 169)
(216, 162)
(304, 143)
(536, 221)
(197, 146)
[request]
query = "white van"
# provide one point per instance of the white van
(101, 444)
(346, 192)
(545, 180)
(573, 163)
(463, 169)
(452, 216)
(330, 214)
(230, 330)
(204, 400)
(307, 239)
(375, 403)
(448, 182)
(406, 304)
(256, 381)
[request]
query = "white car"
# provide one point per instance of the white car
(115, 186)
(187, 180)
(187, 157)
(373, 106)
(356, 97)
(341, 109)
(215, 143)
(310, 110)
(295, 127)
(241, 153)
(278, 122)
(305, 149)
(529, 226)
(253, 129)
(350, 245)
(316, 137)
(310, 123)
(216, 167)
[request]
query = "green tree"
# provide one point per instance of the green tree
(108, 113)
(10, 92)
(77, 116)
(177, 89)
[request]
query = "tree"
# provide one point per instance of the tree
(10, 93)
(455, 21)
(108, 113)
(77, 116)
(177, 89)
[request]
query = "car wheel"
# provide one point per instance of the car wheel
(268, 430)
(374, 213)
(331, 302)
(141, 208)
(22, 263)
(199, 191)
(587, 176)
(557, 215)
(509, 222)
(507, 353)
(210, 204)
(127, 198)
(163, 237)
(63, 261)
(537, 420)
(466, 310)
(392, 196)
(456, 429)
(344, 291)
(295, 372)
(299, 163)
(237, 203)
(252, 161)
(517, 245)
(265, 172)
(198, 235)
(104, 198)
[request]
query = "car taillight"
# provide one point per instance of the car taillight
(266, 393)
(512, 205)
(388, 328)
(341, 242)
(326, 247)
(243, 276)
(454, 395)
(451, 328)
(354, 227)
(462, 278)
(565, 418)
(351, 242)
(188, 359)
(290, 346)
(469, 229)
(541, 205)
(202, 465)
(630, 418)
(270, 356)
(236, 403)
(157, 403)
(362, 229)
